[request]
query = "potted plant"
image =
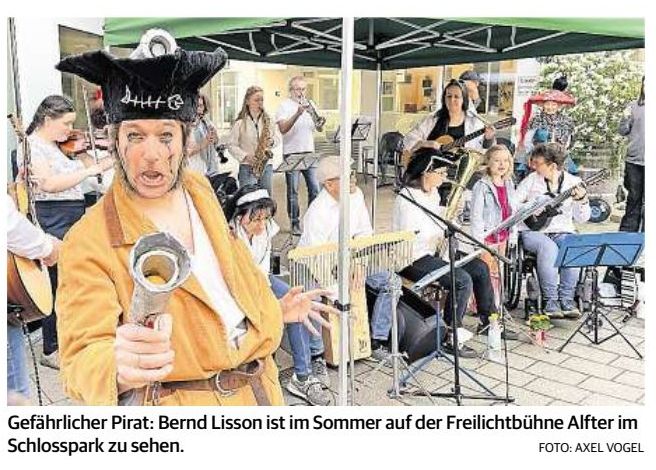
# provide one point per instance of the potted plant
(539, 325)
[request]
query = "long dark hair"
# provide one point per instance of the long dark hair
(641, 99)
(443, 112)
(233, 211)
(54, 107)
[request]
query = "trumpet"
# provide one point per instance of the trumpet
(311, 107)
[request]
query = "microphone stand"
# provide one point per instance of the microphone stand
(450, 232)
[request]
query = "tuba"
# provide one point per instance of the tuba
(469, 163)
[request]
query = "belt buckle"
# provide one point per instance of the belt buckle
(221, 391)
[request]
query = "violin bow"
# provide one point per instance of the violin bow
(92, 138)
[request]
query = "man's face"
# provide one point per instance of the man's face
(332, 186)
(151, 152)
(472, 89)
(298, 89)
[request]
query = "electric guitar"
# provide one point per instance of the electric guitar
(540, 221)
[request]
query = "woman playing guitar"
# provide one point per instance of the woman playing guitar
(453, 121)
(550, 178)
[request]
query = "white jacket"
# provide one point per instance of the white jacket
(571, 211)
(422, 130)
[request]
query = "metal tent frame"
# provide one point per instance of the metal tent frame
(382, 44)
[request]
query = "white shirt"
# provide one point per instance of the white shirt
(300, 137)
(407, 216)
(534, 185)
(422, 130)
(260, 245)
(205, 267)
(46, 156)
(24, 238)
(245, 136)
(321, 221)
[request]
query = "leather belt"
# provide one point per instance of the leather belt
(225, 383)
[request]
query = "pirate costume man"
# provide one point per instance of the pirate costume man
(224, 323)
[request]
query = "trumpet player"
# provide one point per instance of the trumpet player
(252, 140)
(297, 126)
(215, 343)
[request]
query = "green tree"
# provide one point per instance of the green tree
(603, 83)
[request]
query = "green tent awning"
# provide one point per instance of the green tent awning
(395, 43)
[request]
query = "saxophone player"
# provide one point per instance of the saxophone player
(297, 127)
(252, 140)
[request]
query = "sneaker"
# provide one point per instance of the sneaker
(570, 310)
(296, 229)
(506, 334)
(50, 360)
(464, 352)
(552, 309)
(320, 371)
(310, 390)
(381, 354)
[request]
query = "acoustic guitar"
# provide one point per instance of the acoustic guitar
(448, 143)
(540, 221)
(28, 283)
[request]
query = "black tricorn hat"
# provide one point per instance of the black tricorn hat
(425, 160)
(163, 87)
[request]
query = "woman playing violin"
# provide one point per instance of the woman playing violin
(58, 196)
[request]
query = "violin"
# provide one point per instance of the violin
(78, 142)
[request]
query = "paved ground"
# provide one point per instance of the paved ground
(583, 374)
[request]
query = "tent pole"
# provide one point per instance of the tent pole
(377, 134)
(344, 209)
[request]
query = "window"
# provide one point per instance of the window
(228, 100)
(72, 42)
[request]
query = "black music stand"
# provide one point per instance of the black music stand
(298, 161)
(359, 131)
(589, 251)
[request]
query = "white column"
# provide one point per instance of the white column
(344, 209)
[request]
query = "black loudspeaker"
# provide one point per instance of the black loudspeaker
(417, 324)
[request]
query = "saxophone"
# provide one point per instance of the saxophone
(263, 151)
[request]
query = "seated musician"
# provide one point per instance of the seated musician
(456, 118)
(424, 175)
(215, 342)
(493, 201)
(321, 225)
(550, 177)
(250, 214)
